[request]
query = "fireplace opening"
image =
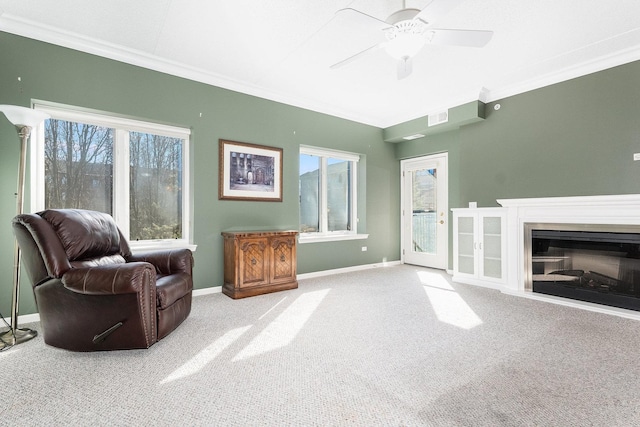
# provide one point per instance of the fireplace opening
(600, 267)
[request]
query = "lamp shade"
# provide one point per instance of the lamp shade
(23, 116)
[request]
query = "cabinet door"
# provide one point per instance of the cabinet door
(466, 244)
(491, 248)
(283, 256)
(254, 262)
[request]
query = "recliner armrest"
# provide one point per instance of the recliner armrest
(167, 261)
(112, 279)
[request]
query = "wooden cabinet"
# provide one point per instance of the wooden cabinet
(479, 246)
(259, 262)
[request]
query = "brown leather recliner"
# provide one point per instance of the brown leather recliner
(92, 293)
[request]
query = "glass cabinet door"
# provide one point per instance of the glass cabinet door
(492, 247)
(466, 245)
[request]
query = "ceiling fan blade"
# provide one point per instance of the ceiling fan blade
(405, 67)
(436, 10)
(469, 38)
(361, 17)
(363, 30)
(355, 57)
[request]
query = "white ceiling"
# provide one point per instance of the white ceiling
(282, 49)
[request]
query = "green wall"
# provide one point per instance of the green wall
(56, 74)
(573, 138)
(569, 139)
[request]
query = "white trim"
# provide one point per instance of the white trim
(584, 68)
(35, 317)
(25, 318)
(323, 235)
(608, 209)
(328, 237)
(122, 126)
(35, 30)
(596, 308)
(159, 245)
(408, 165)
(108, 119)
(121, 204)
(346, 269)
(207, 291)
(328, 152)
(574, 201)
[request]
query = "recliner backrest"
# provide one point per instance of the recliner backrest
(68, 238)
(86, 236)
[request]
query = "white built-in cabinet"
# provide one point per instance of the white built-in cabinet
(479, 246)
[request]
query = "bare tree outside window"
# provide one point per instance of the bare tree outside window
(78, 166)
(155, 186)
(137, 171)
(79, 174)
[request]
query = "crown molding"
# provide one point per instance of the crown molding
(48, 34)
(492, 92)
(569, 66)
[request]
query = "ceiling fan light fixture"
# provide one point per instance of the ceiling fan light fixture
(405, 39)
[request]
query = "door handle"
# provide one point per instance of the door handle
(441, 221)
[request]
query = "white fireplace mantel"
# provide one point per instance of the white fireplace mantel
(617, 209)
(597, 210)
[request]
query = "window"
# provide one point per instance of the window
(135, 171)
(327, 189)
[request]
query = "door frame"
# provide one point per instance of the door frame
(442, 180)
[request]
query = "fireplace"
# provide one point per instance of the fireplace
(596, 215)
(592, 263)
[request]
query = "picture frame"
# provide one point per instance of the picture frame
(249, 172)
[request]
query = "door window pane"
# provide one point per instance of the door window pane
(155, 181)
(78, 166)
(424, 210)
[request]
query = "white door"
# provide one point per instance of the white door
(424, 198)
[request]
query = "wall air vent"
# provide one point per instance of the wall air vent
(438, 118)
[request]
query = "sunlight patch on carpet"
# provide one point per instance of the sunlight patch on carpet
(272, 308)
(283, 330)
(206, 356)
(447, 304)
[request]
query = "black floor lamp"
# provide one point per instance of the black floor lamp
(24, 119)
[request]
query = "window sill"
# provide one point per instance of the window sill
(330, 238)
(139, 247)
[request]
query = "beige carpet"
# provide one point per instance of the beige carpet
(397, 346)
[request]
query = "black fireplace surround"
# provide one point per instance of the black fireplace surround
(596, 266)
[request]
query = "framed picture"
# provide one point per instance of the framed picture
(249, 172)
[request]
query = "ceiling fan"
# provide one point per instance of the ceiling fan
(406, 31)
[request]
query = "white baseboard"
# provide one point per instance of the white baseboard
(35, 317)
(583, 305)
(25, 318)
(347, 269)
(207, 291)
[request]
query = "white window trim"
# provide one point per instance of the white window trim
(332, 236)
(121, 156)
